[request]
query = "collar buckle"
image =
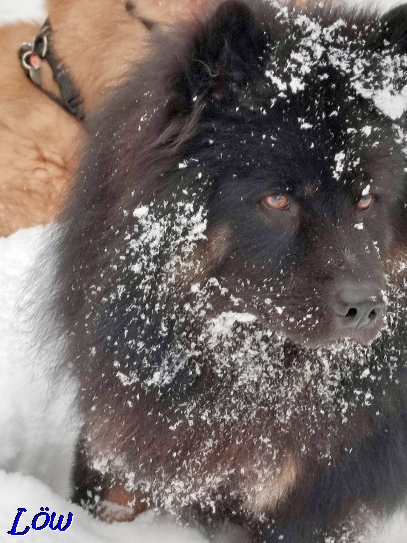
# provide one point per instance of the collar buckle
(31, 62)
(31, 55)
(41, 41)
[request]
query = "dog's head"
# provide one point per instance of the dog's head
(307, 176)
(285, 142)
(305, 190)
(254, 172)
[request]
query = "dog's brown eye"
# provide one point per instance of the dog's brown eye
(365, 202)
(277, 202)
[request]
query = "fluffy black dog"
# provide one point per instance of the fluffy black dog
(230, 286)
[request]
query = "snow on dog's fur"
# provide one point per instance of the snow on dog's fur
(230, 279)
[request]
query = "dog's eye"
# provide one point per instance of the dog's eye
(365, 202)
(277, 202)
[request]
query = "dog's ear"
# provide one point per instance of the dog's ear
(394, 29)
(226, 50)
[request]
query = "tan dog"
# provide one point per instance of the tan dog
(95, 41)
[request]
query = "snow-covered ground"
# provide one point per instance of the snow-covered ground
(36, 427)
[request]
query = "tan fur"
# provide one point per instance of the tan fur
(36, 142)
(96, 40)
(207, 255)
(169, 11)
(119, 505)
(265, 495)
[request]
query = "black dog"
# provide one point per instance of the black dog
(230, 283)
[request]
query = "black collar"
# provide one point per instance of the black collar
(31, 56)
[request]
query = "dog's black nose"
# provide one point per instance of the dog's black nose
(358, 306)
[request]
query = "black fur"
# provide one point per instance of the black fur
(223, 345)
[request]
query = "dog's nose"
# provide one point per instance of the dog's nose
(358, 306)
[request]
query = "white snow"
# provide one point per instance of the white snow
(25, 491)
(22, 10)
(37, 427)
(224, 322)
(31, 420)
(392, 105)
